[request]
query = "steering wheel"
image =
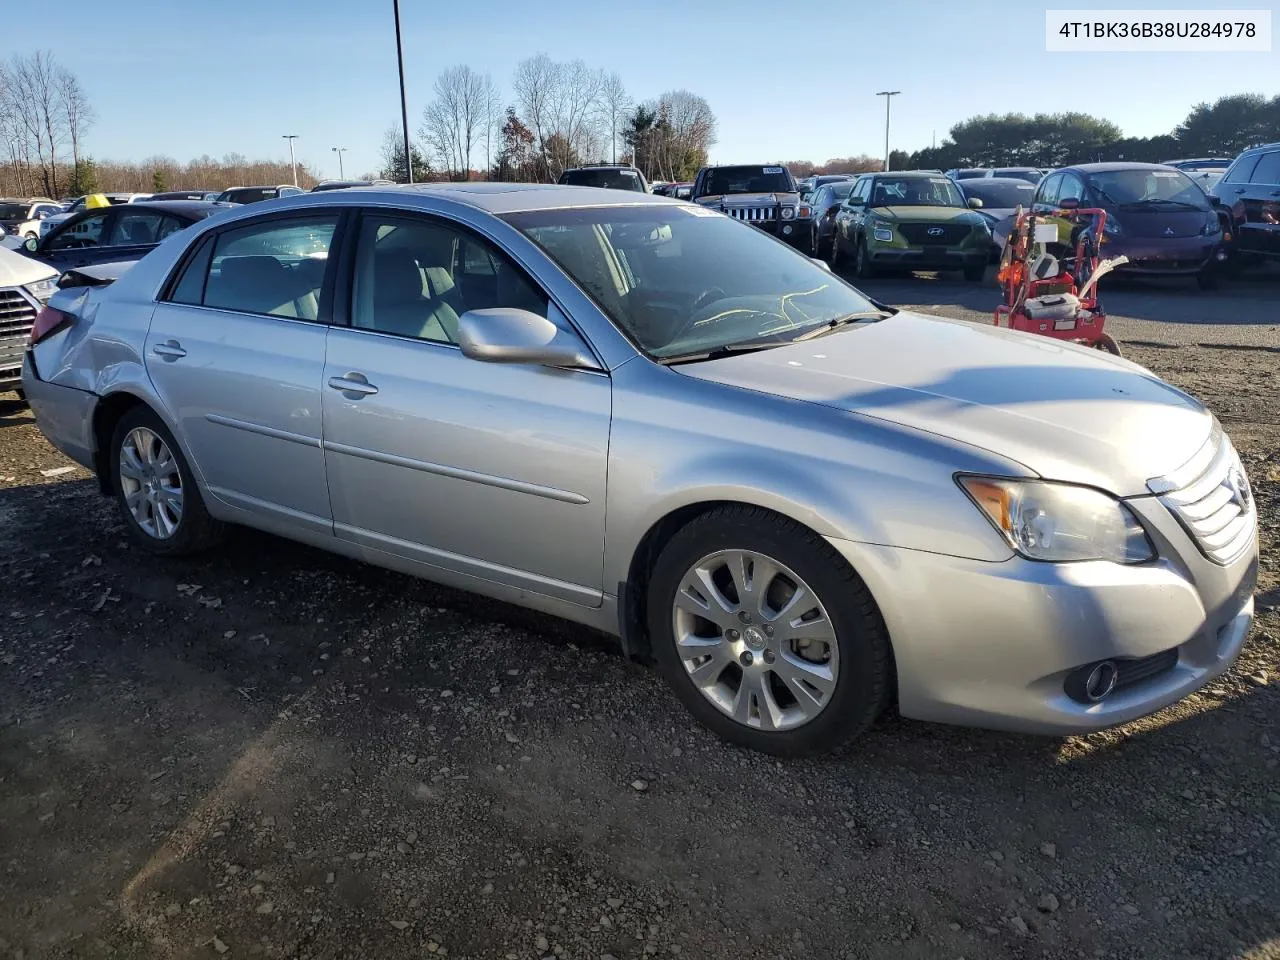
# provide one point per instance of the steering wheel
(707, 296)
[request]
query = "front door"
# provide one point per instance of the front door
(73, 244)
(236, 353)
(1259, 229)
(493, 470)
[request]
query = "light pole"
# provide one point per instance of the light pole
(404, 104)
(339, 151)
(888, 96)
(292, 160)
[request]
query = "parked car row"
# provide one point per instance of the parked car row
(799, 532)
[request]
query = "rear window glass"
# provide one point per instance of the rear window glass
(610, 179)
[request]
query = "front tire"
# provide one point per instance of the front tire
(155, 489)
(766, 635)
(835, 257)
(862, 268)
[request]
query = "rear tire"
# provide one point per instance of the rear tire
(1107, 343)
(852, 666)
(156, 492)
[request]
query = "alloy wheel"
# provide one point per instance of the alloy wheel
(151, 483)
(755, 640)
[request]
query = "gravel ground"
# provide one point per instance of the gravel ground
(274, 752)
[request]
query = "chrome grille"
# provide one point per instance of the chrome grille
(752, 214)
(17, 314)
(1211, 498)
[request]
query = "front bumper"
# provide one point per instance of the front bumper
(63, 414)
(924, 258)
(1155, 257)
(993, 644)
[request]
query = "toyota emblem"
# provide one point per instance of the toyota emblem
(1238, 484)
(936, 231)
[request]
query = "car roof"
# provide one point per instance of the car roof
(491, 197)
(979, 180)
(904, 173)
(1112, 166)
(181, 207)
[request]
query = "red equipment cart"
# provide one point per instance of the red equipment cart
(1052, 297)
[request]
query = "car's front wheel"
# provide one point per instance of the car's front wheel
(766, 634)
(835, 256)
(862, 268)
(155, 489)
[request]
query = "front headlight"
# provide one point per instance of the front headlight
(882, 231)
(982, 227)
(1059, 522)
(1211, 225)
(1112, 228)
(42, 290)
(788, 213)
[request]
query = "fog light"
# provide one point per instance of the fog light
(1220, 256)
(786, 231)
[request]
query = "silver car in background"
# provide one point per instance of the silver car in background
(647, 417)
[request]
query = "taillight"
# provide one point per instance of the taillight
(48, 322)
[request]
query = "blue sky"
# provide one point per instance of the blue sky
(786, 81)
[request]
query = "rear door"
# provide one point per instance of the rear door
(236, 353)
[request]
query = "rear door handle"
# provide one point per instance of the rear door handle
(170, 350)
(356, 383)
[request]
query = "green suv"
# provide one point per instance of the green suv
(912, 220)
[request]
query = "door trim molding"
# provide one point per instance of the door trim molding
(259, 428)
(457, 473)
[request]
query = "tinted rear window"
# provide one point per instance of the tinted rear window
(610, 179)
(748, 180)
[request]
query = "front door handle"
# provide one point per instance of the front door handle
(170, 350)
(353, 383)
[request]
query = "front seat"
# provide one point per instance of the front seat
(400, 304)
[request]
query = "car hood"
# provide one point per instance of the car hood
(16, 269)
(1064, 412)
(748, 199)
(910, 212)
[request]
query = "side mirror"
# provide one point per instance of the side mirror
(975, 203)
(30, 244)
(856, 202)
(510, 335)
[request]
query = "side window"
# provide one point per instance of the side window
(190, 286)
(85, 233)
(168, 225)
(135, 227)
(416, 277)
(274, 267)
(1072, 188)
(1268, 169)
(1240, 171)
(1048, 192)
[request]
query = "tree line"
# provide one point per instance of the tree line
(563, 114)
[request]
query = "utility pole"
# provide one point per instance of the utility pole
(888, 97)
(339, 151)
(404, 104)
(292, 161)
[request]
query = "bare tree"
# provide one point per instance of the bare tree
(453, 122)
(615, 105)
(560, 102)
(33, 82)
(77, 113)
(493, 120)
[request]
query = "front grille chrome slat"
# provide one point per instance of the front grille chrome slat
(1211, 499)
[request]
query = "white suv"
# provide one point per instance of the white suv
(22, 218)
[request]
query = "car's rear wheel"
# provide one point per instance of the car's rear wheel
(155, 489)
(766, 634)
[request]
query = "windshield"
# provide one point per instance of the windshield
(610, 179)
(999, 194)
(747, 180)
(13, 211)
(915, 192)
(247, 194)
(679, 279)
(1154, 187)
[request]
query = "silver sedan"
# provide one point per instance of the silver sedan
(647, 417)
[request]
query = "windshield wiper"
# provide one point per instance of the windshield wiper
(1177, 203)
(717, 353)
(831, 326)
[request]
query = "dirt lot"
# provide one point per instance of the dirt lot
(274, 752)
